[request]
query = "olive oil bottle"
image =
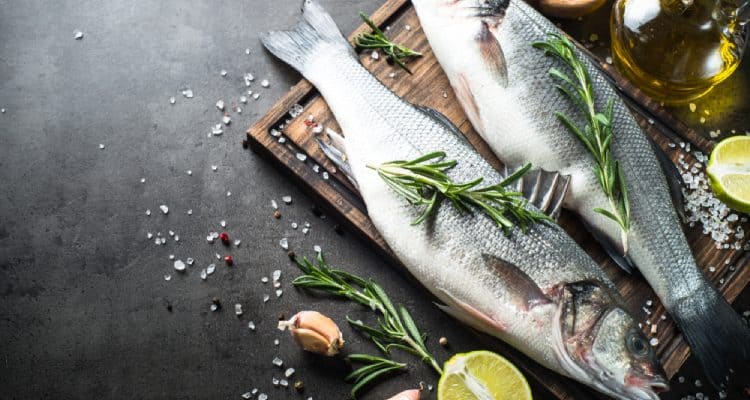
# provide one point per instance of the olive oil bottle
(677, 50)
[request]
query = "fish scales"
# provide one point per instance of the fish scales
(516, 287)
(512, 107)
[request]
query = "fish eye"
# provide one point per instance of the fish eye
(637, 344)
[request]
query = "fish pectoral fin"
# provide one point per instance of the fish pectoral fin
(546, 190)
(674, 179)
(492, 54)
(438, 117)
(469, 315)
(525, 293)
(335, 150)
(618, 254)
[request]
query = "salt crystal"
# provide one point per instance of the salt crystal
(301, 156)
(276, 275)
(214, 167)
(171, 256)
(265, 83)
(608, 60)
(305, 230)
(149, 235)
(247, 395)
(210, 239)
(275, 381)
(277, 362)
(229, 193)
(2, 110)
(681, 379)
(179, 265)
(143, 180)
(248, 78)
(287, 199)
(223, 72)
(262, 396)
(210, 269)
(276, 285)
(653, 342)
(274, 205)
(214, 307)
(167, 277)
(289, 372)
(77, 35)
(264, 279)
(247, 51)
(237, 243)
(276, 342)
(220, 105)
(375, 55)
(204, 274)
(226, 120)
(188, 93)
(218, 256)
(238, 309)
(265, 298)
(148, 212)
(164, 209)
(692, 107)
(239, 110)
(171, 233)
(172, 100)
(243, 99)
(317, 249)
(392, 75)
(325, 175)
(649, 303)
(101, 146)
(711, 269)
(223, 223)
(279, 292)
(284, 243)
(251, 325)
(217, 130)
(698, 383)
(157, 241)
(294, 225)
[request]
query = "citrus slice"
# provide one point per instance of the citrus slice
(482, 375)
(729, 172)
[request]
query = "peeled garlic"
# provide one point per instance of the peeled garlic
(314, 332)
(412, 394)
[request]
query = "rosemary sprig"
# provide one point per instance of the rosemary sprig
(596, 135)
(395, 330)
(424, 183)
(377, 40)
(374, 368)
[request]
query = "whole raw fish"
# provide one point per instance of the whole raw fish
(502, 82)
(538, 290)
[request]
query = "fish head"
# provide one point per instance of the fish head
(599, 342)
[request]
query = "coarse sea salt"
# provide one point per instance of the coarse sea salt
(179, 265)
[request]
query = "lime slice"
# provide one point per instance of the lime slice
(729, 172)
(482, 375)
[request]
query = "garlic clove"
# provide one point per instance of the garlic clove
(412, 394)
(314, 332)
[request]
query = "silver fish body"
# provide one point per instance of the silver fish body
(502, 82)
(537, 291)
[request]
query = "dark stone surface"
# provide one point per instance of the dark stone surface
(85, 311)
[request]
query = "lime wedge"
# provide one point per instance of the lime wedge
(729, 172)
(482, 375)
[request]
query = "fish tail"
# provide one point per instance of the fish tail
(718, 337)
(316, 33)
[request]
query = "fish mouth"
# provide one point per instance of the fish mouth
(646, 388)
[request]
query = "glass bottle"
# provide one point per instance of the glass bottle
(677, 50)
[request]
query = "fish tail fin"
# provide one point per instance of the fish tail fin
(718, 337)
(315, 33)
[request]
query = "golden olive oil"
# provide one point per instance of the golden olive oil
(676, 50)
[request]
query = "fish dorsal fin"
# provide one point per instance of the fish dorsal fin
(525, 293)
(492, 54)
(674, 179)
(545, 190)
(335, 150)
(621, 258)
(438, 117)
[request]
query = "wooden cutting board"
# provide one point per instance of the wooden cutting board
(295, 151)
